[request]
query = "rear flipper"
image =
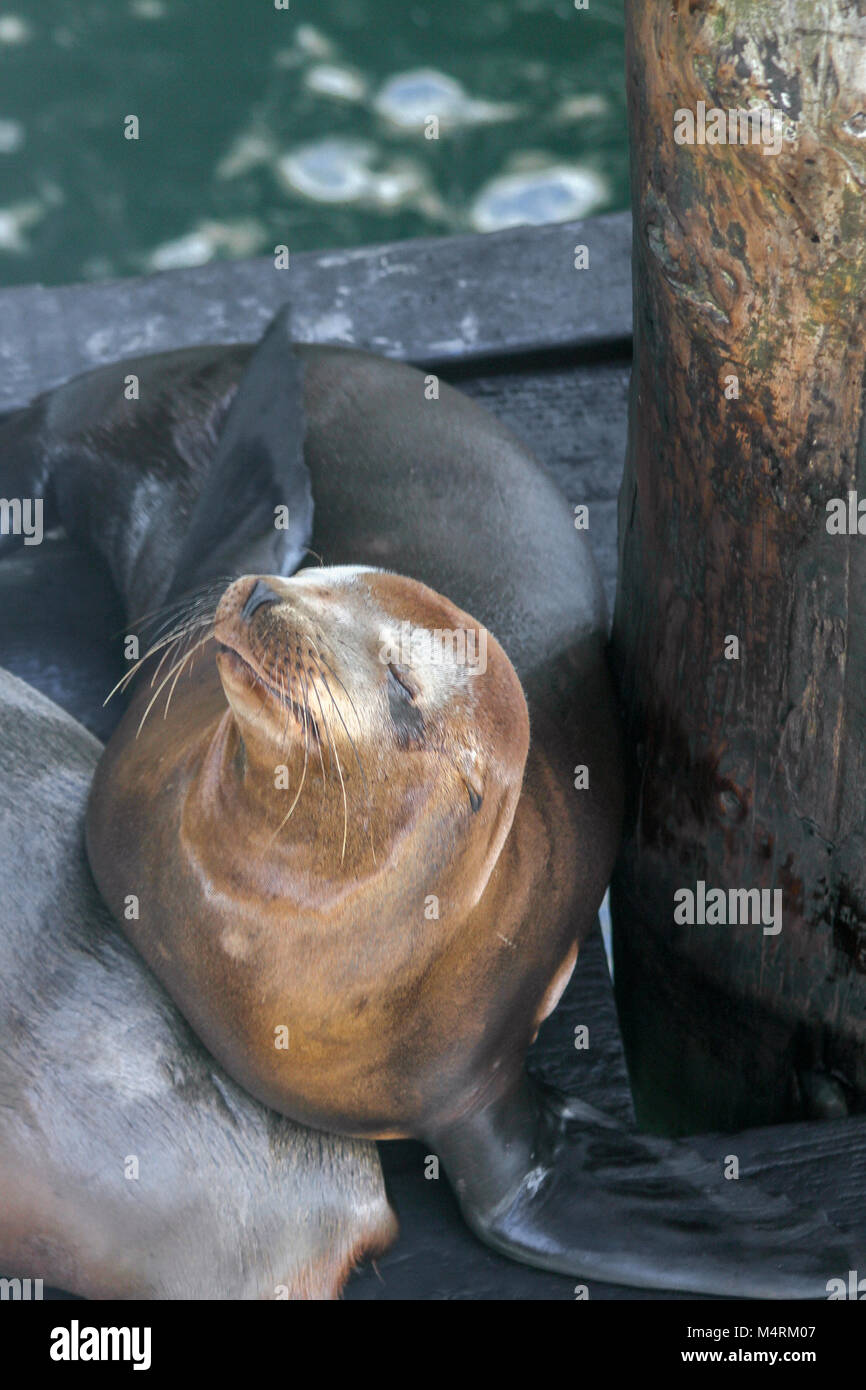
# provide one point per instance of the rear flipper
(556, 1184)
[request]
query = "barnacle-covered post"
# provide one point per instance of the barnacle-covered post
(740, 626)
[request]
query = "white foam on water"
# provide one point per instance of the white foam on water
(534, 197)
(332, 170)
(330, 80)
(11, 136)
(408, 99)
(312, 42)
(14, 29)
(203, 242)
(193, 249)
(249, 150)
(15, 220)
(340, 170)
(581, 108)
(148, 9)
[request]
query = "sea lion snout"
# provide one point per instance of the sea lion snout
(296, 645)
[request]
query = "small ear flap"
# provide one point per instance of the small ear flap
(469, 766)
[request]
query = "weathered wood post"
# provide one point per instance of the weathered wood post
(740, 626)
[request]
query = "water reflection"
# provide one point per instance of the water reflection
(258, 128)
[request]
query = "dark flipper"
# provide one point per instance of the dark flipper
(178, 486)
(258, 468)
(557, 1184)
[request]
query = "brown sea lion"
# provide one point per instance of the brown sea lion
(321, 837)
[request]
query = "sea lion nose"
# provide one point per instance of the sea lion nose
(260, 593)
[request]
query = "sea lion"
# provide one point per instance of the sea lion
(346, 905)
(130, 1164)
(438, 493)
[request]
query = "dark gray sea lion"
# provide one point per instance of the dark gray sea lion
(437, 492)
(130, 1164)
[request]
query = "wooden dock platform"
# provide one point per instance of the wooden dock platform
(547, 348)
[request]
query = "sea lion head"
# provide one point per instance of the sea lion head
(390, 694)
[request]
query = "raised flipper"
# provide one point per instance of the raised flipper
(258, 468)
(179, 485)
(555, 1183)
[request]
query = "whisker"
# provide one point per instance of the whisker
(174, 639)
(306, 719)
(348, 735)
(318, 740)
(190, 603)
(333, 751)
(162, 685)
(165, 644)
(290, 811)
(342, 685)
(190, 655)
(168, 653)
(354, 750)
(285, 696)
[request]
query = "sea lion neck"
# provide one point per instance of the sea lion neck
(243, 762)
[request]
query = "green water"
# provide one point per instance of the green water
(307, 127)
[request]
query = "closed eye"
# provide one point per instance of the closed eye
(401, 681)
(406, 717)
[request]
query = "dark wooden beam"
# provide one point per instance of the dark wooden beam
(443, 300)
